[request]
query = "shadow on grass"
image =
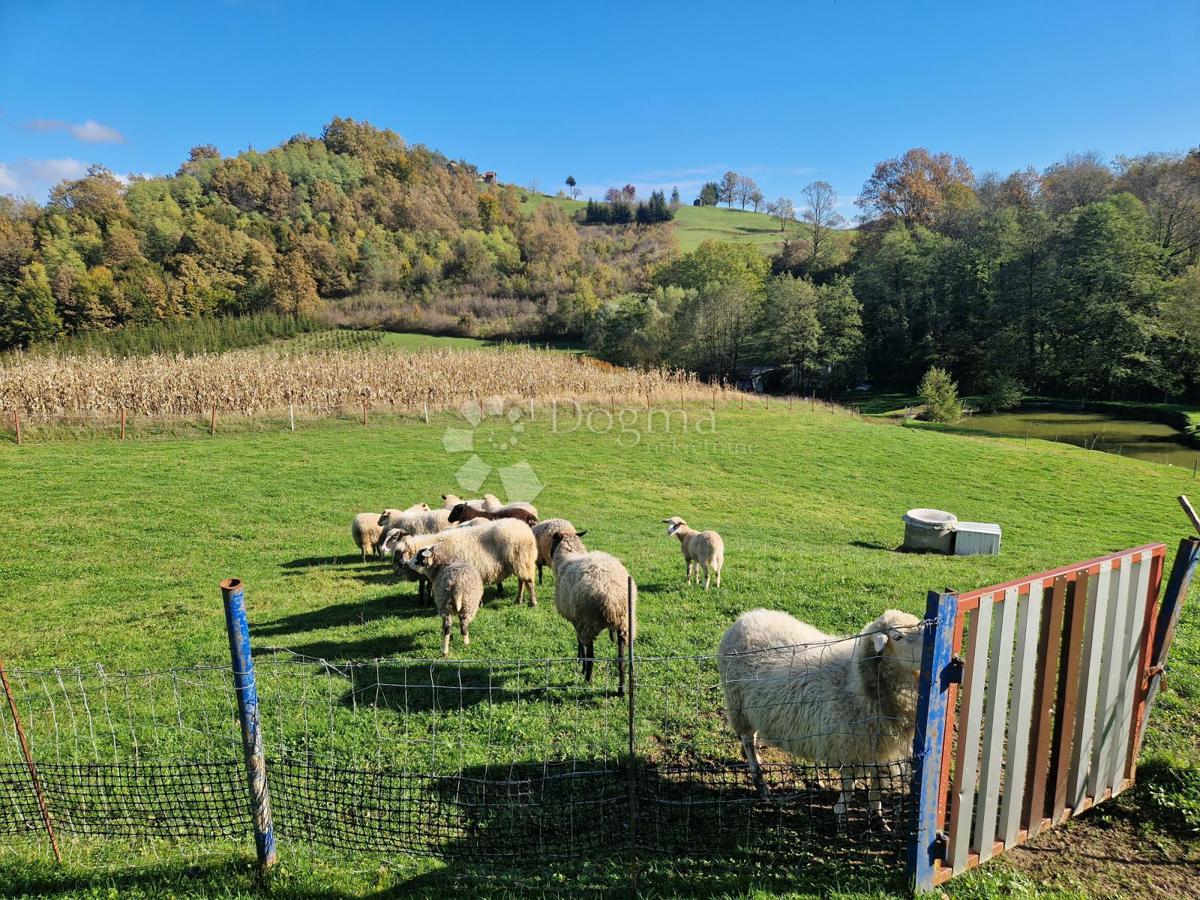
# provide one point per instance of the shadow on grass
(309, 562)
(401, 606)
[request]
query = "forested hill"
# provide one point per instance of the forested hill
(356, 211)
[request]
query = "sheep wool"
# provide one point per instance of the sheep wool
(496, 550)
(827, 700)
(457, 591)
(544, 532)
(366, 533)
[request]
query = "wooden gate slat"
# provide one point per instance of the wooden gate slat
(1135, 628)
(999, 677)
(1043, 702)
(1108, 710)
(1089, 684)
(1020, 715)
(970, 714)
(1068, 694)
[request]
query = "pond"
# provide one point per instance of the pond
(1153, 441)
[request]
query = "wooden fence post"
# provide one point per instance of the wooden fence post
(292, 414)
(17, 425)
(212, 422)
(29, 764)
(364, 413)
(122, 423)
(926, 841)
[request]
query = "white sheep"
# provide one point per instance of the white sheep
(495, 549)
(457, 590)
(366, 533)
(592, 591)
(701, 550)
(491, 503)
(847, 702)
(417, 519)
(449, 501)
(543, 533)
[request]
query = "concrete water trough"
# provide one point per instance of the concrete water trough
(937, 531)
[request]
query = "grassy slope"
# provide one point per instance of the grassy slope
(694, 224)
(808, 503)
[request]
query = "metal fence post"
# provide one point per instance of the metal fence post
(246, 689)
(1186, 561)
(925, 843)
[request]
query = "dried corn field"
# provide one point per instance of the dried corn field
(320, 382)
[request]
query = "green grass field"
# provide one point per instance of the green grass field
(695, 224)
(113, 552)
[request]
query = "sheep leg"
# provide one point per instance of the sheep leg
(520, 592)
(579, 650)
(464, 630)
(707, 576)
(528, 585)
(751, 754)
(589, 660)
(446, 635)
(540, 567)
(875, 801)
(841, 808)
(718, 577)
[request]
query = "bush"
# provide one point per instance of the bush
(939, 393)
(1003, 392)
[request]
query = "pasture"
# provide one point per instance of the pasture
(113, 551)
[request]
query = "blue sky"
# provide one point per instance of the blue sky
(656, 94)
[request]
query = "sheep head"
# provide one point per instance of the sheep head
(422, 561)
(567, 543)
(673, 525)
(391, 539)
(462, 513)
(898, 640)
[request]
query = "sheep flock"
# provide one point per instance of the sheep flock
(847, 702)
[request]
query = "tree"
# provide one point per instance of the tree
(293, 288)
(840, 315)
(675, 204)
(821, 217)
(788, 329)
(757, 199)
(939, 393)
(1080, 179)
(744, 188)
(28, 315)
(710, 194)
(782, 210)
(613, 195)
(629, 194)
(913, 187)
(571, 188)
(727, 190)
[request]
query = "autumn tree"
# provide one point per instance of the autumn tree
(820, 217)
(727, 190)
(915, 187)
(781, 210)
(744, 188)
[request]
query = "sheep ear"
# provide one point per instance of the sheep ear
(581, 533)
(879, 641)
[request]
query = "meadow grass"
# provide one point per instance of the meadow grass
(113, 552)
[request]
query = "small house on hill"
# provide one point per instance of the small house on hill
(489, 177)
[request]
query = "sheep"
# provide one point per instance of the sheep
(391, 540)
(543, 533)
(496, 550)
(701, 549)
(457, 590)
(823, 699)
(491, 503)
(449, 501)
(593, 591)
(418, 519)
(366, 533)
(465, 512)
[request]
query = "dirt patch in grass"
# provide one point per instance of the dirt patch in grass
(1110, 854)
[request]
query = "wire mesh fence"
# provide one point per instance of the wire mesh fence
(506, 760)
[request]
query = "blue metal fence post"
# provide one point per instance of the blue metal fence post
(1186, 561)
(925, 844)
(246, 689)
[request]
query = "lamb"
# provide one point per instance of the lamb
(543, 533)
(464, 512)
(449, 501)
(457, 590)
(850, 702)
(495, 549)
(366, 533)
(592, 591)
(701, 549)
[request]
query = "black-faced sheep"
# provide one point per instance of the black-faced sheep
(592, 592)
(366, 533)
(701, 550)
(496, 550)
(845, 702)
(544, 532)
(457, 590)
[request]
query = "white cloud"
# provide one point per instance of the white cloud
(90, 131)
(34, 177)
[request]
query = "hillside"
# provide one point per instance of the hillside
(694, 224)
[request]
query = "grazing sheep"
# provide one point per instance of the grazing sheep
(449, 501)
(457, 590)
(464, 512)
(366, 533)
(419, 519)
(701, 549)
(392, 538)
(827, 700)
(495, 549)
(491, 503)
(543, 533)
(592, 592)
